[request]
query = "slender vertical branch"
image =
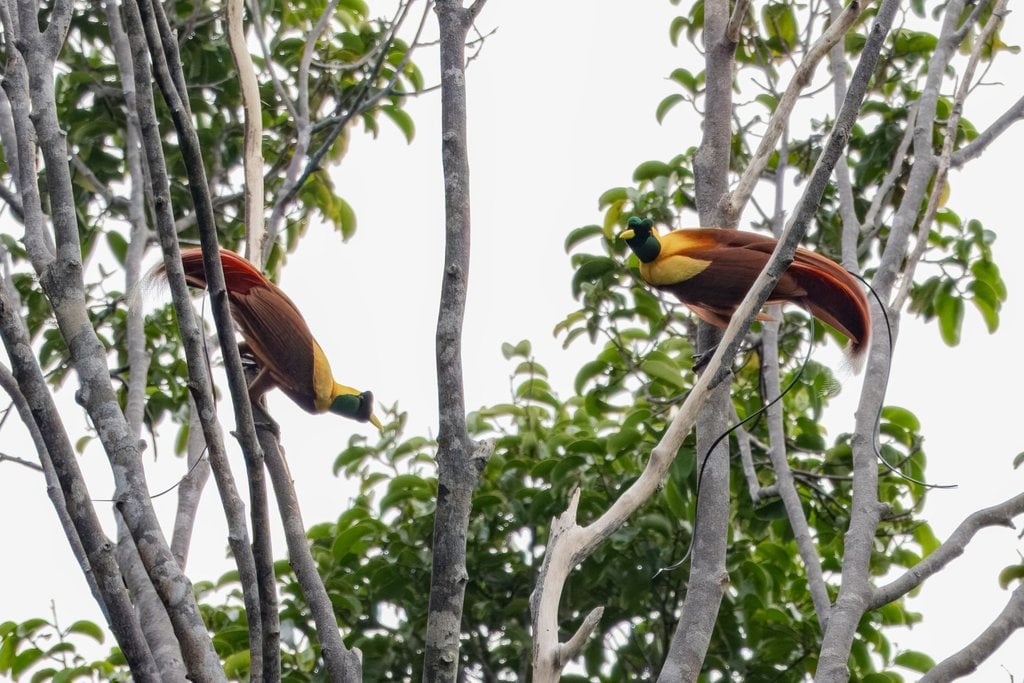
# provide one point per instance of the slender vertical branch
(200, 381)
(925, 160)
(708, 576)
(252, 140)
(62, 280)
(865, 510)
(154, 618)
(98, 550)
(53, 487)
(844, 184)
(190, 488)
(458, 468)
(343, 665)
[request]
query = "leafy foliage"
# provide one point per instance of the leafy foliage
(49, 653)
(374, 558)
(358, 75)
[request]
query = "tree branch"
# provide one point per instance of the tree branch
(922, 170)
(865, 511)
(252, 137)
(200, 381)
(459, 460)
(190, 488)
(737, 199)
(966, 661)
(63, 283)
(97, 550)
(978, 145)
(343, 665)
(943, 161)
(847, 208)
(953, 547)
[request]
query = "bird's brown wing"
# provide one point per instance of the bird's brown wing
(279, 338)
(734, 258)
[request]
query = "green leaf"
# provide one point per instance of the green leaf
(236, 665)
(118, 245)
(1018, 459)
(915, 661)
(350, 456)
(609, 197)
(776, 509)
(674, 499)
(649, 170)
(902, 417)
(663, 371)
(87, 628)
(46, 674)
(950, 310)
(24, 660)
(781, 25)
(1010, 574)
(345, 218)
(594, 268)
(358, 7)
(401, 119)
(581, 235)
(588, 372)
(666, 105)
(7, 651)
(352, 540)
(926, 538)
(907, 42)
(523, 349)
(675, 28)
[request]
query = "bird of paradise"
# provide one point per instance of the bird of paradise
(711, 270)
(277, 335)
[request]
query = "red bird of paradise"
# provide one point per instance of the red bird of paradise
(711, 270)
(277, 335)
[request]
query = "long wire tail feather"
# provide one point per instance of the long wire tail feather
(730, 430)
(878, 418)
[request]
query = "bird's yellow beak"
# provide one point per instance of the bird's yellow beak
(376, 423)
(627, 234)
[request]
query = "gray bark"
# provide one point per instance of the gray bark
(458, 469)
(343, 665)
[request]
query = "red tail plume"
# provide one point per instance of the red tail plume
(834, 296)
(239, 275)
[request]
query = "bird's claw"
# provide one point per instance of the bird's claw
(701, 360)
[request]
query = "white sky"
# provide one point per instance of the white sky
(561, 105)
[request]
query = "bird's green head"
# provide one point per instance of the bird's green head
(642, 238)
(357, 407)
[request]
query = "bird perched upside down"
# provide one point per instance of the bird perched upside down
(277, 335)
(711, 270)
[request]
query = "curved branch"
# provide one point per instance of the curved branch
(784, 475)
(979, 144)
(1010, 619)
(953, 547)
(200, 381)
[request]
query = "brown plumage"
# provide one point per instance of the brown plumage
(711, 270)
(279, 338)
